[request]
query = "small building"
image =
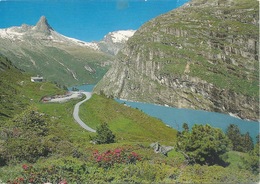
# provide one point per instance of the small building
(37, 79)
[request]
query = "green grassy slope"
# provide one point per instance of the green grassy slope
(58, 63)
(129, 124)
(17, 91)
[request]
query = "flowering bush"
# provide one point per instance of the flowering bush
(119, 155)
(58, 171)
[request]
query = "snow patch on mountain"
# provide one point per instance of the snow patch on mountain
(121, 36)
(92, 45)
(111, 43)
(42, 31)
(9, 33)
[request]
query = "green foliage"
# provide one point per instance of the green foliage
(146, 171)
(65, 171)
(10, 99)
(214, 174)
(234, 135)
(252, 162)
(141, 172)
(240, 142)
(204, 144)
(23, 139)
(185, 127)
(247, 142)
(235, 159)
(104, 135)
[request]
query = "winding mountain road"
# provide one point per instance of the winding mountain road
(76, 112)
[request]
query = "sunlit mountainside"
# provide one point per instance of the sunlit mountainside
(40, 50)
(203, 55)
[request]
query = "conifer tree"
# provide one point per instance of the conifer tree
(247, 143)
(185, 127)
(240, 142)
(235, 136)
(104, 135)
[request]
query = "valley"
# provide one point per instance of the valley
(197, 58)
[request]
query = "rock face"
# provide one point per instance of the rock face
(161, 148)
(43, 26)
(203, 55)
(41, 50)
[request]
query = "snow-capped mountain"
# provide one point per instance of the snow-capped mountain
(114, 41)
(111, 43)
(41, 31)
(119, 36)
(41, 50)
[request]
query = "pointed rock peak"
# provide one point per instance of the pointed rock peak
(43, 25)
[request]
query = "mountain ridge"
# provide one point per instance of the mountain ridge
(42, 30)
(40, 50)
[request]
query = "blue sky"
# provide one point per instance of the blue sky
(87, 20)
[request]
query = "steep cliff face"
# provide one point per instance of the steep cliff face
(203, 55)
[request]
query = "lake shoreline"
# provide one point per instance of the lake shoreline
(227, 113)
(175, 117)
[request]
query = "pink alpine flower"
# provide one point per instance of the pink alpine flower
(25, 167)
(63, 182)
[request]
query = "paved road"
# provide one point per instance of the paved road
(65, 98)
(76, 113)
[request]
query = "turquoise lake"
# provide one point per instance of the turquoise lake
(175, 117)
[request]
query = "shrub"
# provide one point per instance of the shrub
(34, 175)
(23, 139)
(204, 145)
(214, 174)
(252, 162)
(62, 171)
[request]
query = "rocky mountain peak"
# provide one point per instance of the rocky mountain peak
(43, 25)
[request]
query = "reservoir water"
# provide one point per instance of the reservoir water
(175, 117)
